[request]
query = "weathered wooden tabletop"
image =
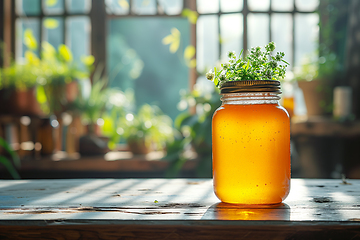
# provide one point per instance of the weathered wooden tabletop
(129, 208)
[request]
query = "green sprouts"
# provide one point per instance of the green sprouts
(257, 65)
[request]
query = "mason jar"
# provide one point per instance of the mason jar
(251, 144)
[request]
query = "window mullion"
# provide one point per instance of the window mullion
(98, 19)
(293, 36)
(270, 16)
(41, 30)
(65, 18)
(245, 38)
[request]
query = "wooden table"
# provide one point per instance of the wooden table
(172, 208)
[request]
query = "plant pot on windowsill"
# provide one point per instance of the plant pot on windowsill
(59, 96)
(91, 144)
(20, 102)
(316, 95)
(138, 146)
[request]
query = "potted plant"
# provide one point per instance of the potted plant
(147, 130)
(316, 80)
(119, 104)
(50, 80)
(58, 77)
(18, 87)
(90, 105)
(320, 75)
(19, 97)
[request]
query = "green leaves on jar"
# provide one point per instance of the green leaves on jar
(257, 65)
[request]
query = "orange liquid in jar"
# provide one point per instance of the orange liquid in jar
(251, 153)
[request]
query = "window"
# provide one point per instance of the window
(137, 58)
(135, 55)
(226, 25)
(55, 21)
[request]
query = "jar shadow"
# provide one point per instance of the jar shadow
(226, 211)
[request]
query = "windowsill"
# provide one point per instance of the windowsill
(322, 126)
(122, 161)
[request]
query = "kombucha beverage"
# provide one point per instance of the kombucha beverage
(251, 151)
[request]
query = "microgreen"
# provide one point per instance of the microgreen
(257, 65)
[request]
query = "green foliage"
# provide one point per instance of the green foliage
(118, 105)
(192, 16)
(18, 76)
(56, 67)
(48, 75)
(4, 160)
(149, 124)
(327, 62)
(92, 104)
(257, 65)
(323, 67)
(334, 17)
(195, 132)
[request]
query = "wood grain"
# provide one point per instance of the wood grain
(173, 209)
(324, 127)
(179, 230)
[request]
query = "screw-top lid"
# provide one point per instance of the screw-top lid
(251, 86)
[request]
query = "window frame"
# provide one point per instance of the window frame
(246, 11)
(41, 16)
(99, 17)
(187, 4)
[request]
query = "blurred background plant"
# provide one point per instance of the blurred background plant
(9, 158)
(91, 100)
(119, 104)
(51, 77)
(57, 77)
(324, 68)
(145, 130)
(194, 125)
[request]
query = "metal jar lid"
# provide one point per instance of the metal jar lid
(251, 86)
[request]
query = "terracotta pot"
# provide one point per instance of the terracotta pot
(47, 135)
(72, 91)
(20, 102)
(315, 97)
(61, 96)
(138, 147)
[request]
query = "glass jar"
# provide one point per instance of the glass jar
(251, 144)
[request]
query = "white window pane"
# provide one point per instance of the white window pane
(231, 5)
(78, 6)
(307, 5)
(143, 6)
(231, 30)
(21, 26)
(53, 7)
(207, 6)
(258, 30)
(282, 5)
(281, 33)
(259, 5)
(28, 7)
(207, 37)
(171, 7)
(137, 59)
(306, 36)
(53, 34)
(118, 7)
(78, 38)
